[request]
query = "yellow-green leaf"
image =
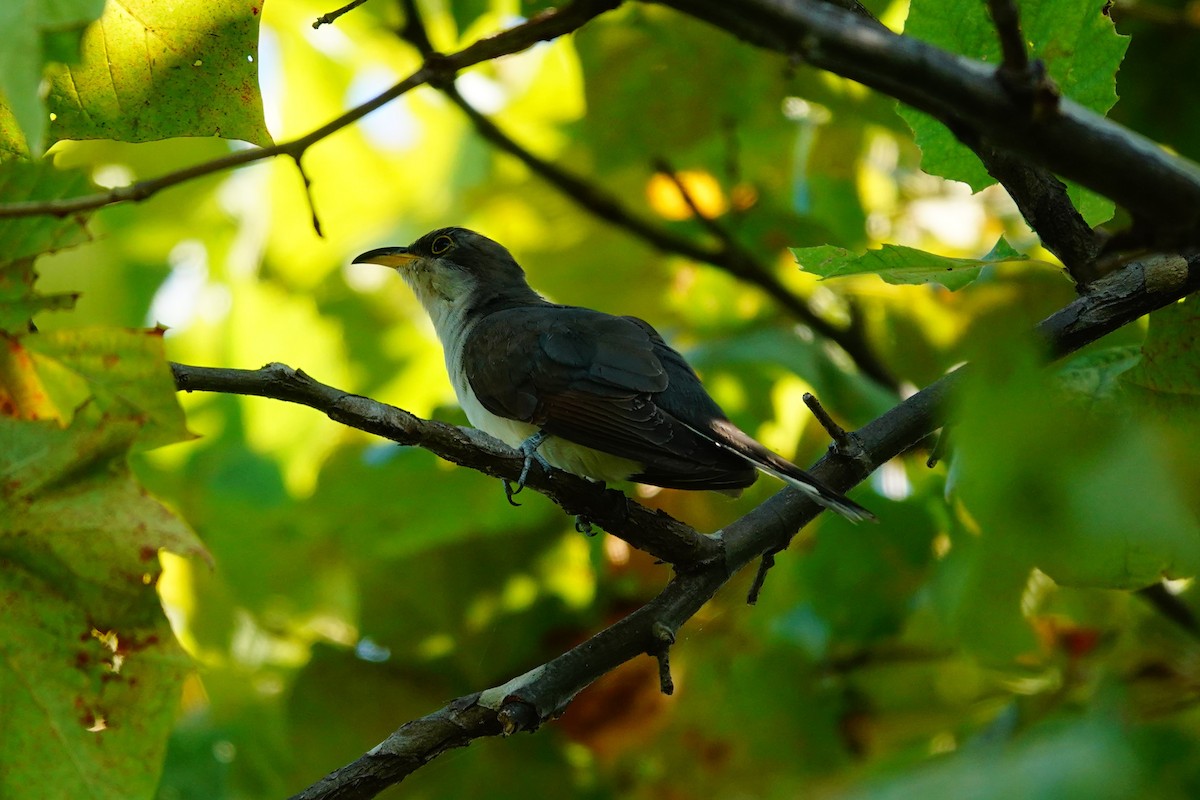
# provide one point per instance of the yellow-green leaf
(154, 70)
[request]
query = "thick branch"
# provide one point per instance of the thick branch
(538, 695)
(549, 24)
(1043, 201)
(652, 531)
(1070, 140)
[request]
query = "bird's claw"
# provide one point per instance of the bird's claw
(584, 526)
(529, 449)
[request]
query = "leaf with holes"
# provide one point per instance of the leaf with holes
(89, 670)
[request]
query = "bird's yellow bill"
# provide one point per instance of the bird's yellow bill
(386, 257)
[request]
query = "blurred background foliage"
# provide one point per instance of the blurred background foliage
(983, 640)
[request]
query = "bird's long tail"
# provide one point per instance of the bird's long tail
(737, 441)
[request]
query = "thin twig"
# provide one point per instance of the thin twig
(841, 439)
(736, 262)
(710, 224)
(1075, 142)
(308, 195)
(413, 31)
(1012, 43)
(547, 25)
(327, 19)
(765, 562)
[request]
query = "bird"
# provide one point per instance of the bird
(600, 396)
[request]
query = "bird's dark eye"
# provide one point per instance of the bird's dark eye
(440, 245)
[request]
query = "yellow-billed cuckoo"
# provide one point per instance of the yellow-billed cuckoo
(599, 396)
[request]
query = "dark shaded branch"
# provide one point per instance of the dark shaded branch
(550, 24)
(836, 432)
(542, 693)
(734, 260)
(1012, 41)
(1040, 197)
(1171, 606)
(653, 531)
(1072, 141)
(729, 255)
(1043, 201)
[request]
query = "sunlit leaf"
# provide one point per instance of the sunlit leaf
(897, 264)
(123, 372)
(23, 237)
(152, 71)
(92, 687)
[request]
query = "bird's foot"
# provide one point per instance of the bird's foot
(529, 449)
(584, 526)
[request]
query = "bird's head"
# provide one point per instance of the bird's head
(454, 267)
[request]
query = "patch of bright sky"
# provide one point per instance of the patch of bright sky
(484, 94)
(956, 217)
(244, 196)
(891, 481)
(391, 128)
(329, 40)
(186, 293)
(270, 79)
(112, 175)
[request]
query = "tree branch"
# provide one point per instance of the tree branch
(327, 19)
(1154, 185)
(655, 532)
(550, 24)
(530, 699)
(1012, 43)
(728, 255)
(735, 260)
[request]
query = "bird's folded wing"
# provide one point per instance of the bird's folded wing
(599, 380)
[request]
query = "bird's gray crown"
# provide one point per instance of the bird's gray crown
(469, 250)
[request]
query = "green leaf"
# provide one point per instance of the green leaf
(89, 669)
(1097, 375)
(89, 695)
(23, 238)
(1169, 364)
(1085, 758)
(624, 73)
(73, 510)
(154, 70)
(897, 264)
(27, 26)
(19, 302)
(122, 372)
(1075, 39)
(1092, 499)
